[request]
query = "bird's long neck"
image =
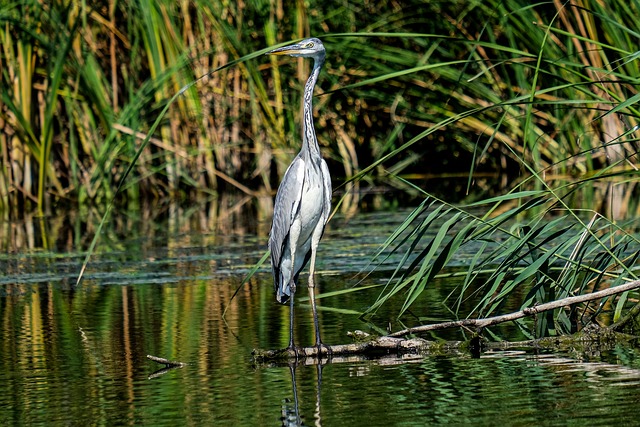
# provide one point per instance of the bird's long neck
(309, 140)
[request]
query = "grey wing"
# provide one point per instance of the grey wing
(326, 177)
(286, 206)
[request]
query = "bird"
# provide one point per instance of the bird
(303, 201)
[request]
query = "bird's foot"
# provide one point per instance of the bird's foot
(293, 349)
(323, 349)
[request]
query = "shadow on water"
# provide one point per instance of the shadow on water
(159, 283)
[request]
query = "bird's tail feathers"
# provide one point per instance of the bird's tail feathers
(282, 298)
(283, 285)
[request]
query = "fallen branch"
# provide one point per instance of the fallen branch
(530, 311)
(393, 343)
(370, 346)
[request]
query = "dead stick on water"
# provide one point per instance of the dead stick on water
(530, 311)
(164, 361)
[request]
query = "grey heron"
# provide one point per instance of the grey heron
(303, 201)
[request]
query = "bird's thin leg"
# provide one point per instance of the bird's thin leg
(291, 344)
(312, 297)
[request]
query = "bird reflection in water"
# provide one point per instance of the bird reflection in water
(291, 416)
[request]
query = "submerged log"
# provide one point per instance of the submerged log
(365, 345)
(592, 340)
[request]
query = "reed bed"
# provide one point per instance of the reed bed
(487, 86)
(545, 94)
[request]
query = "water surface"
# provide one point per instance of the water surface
(77, 355)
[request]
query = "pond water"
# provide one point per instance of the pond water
(77, 355)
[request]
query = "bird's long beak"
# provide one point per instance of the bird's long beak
(285, 50)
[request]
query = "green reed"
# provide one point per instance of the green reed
(89, 116)
(81, 86)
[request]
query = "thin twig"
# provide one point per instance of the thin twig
(166, 362)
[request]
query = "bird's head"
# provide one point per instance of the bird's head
(307, 48)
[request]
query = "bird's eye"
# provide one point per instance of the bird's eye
(310, 45)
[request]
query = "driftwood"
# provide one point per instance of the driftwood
(169, 365)
(366, 345)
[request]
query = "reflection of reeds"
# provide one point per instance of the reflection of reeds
(78, 85)
(225, 217)
(53, 338)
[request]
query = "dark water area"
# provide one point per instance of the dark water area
(77, 355)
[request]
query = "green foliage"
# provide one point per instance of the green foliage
(530, 247)
(490, 85)
(550, 92)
